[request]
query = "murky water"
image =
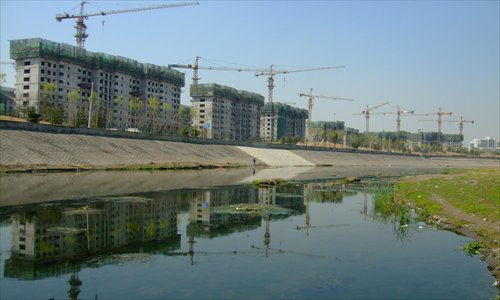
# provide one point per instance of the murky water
(303, 240)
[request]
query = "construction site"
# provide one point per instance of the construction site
(119, 93)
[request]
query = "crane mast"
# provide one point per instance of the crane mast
(399, 114)
(366, 113)
(439, 113)
(81, 28)
(311, 96)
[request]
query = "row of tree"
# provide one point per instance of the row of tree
(121, 113)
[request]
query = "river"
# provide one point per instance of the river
(311, 238)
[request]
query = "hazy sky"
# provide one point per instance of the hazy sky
(420, 55)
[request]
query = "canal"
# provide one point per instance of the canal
(314, 239)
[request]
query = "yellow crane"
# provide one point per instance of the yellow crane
(258, 72)
(400, 113)
(460, 125)
(311, 96)
(366, 113)
(81, 33)
(439, 113)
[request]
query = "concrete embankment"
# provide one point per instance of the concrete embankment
(25, 146)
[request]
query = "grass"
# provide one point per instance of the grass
(474, 191)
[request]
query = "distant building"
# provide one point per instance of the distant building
(281, 120)
(117, 81)
(222, 112)
(430, 138)
(486, 143)
(7, 101)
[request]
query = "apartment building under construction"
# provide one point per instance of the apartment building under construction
(282, 120)
(124, 86)
(222, 112)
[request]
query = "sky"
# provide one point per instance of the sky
(418, 55)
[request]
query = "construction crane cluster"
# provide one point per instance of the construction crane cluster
(258, 72)
(270, 72)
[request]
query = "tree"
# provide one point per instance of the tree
(122, 106)
(167, 109)
(334, 137)
(135, 106)
(32, 114)
(95, 112)
(154, 105)
(74, 106)
(47, 108)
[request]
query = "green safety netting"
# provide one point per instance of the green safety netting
(216, 90)
(37, 47)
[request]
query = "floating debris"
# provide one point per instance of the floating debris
(251, 208)
(267, 183)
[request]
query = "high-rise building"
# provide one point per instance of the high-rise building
(282, 120)
(222, 112)
(130, 94)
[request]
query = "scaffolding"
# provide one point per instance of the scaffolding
(37, 47)
(216, 90)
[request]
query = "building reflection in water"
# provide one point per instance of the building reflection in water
(57, 240)
(54, 240)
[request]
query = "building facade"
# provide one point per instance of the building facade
(129, 94)
(280, 120)
(486, 143)
(222, 112)
(431, 138)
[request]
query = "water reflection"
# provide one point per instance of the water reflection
(71, 238)
(49, 240)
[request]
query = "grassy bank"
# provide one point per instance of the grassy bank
(466, 201)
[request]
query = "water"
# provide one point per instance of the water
(305, 240)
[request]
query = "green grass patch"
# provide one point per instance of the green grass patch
(417, 193)
(474, 191)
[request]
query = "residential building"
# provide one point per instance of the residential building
(282, 120)
(486, 143)
(430, 138)
(222, 112)
(130, 94)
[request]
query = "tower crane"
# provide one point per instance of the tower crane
(311, 96)
(399, 114)
(460, 123)
(258, 72)
(366, 113)
(439, 113)
(81, 33)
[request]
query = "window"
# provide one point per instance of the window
(27, 63)
(26, 79)
(27, 71)
(26, 87)
(26, 95)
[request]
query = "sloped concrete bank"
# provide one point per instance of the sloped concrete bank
(26, 146)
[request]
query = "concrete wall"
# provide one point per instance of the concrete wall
(28, 145)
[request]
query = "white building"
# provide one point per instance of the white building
(486, 143)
